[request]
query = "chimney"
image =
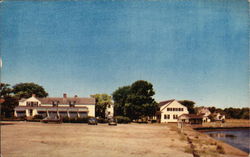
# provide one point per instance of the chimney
(64, 95)
(33, 95)
(75, 96)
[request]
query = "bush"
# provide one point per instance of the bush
(38, 116)
(124, 120)
(75, 120)
(153, 121)
(101, 120)
(220, 149)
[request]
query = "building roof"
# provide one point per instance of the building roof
(162, 103)
(77, 100)
(2, 100)
(22, 100)
(55, 109)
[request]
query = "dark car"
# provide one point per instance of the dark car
(51, 120)
(92, 121)
(112, 121)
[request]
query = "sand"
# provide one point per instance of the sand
(31, 139)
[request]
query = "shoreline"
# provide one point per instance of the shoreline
(203, 145)
(210, 129)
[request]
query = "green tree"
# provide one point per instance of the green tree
(120, 98)
(189, 104)
(139, 102)
(9, 100)
(25, 90)
(102, 101)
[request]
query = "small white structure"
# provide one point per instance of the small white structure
(71, 107)
(170, 110)
(218, 116)
(109, 112)
(204, 111)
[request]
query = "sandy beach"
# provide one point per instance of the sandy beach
(30, 139)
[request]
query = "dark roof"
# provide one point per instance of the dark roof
(77, 100)
(162, 103)
(192, 115)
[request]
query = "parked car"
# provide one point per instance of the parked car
(92, 121)
(51, 120)
(112, 121)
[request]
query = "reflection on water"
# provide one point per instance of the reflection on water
(236, 138)
(222, 135)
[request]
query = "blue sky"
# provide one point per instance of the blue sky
(196, 50)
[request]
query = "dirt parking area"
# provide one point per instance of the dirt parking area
(30, 139)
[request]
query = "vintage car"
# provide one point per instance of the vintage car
(112, 121)
(92, 121)
(51, 120)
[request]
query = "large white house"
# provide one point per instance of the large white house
(71, 107)
(170, 110)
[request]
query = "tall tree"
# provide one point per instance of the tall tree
(102, 101)
(120, 97)
(140, 102)
(189, 104)
(8, 100)
(25, 90)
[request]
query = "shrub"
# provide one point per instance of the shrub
(38, 116)
(124, 120)
(220, 149)
(75, 120)
(101, 120)
(153, 121)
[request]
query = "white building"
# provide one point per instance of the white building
(109, 112)
(204, 111)
(71, 107)
(218, 116)
(170, 110)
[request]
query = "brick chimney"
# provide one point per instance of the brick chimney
(64, 95)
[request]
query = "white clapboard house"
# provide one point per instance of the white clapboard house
(71, 107)
(170, 110)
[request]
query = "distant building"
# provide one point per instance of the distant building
(70, 107)
(218, 116)
(109, 112)
(191, 118)
(204, 111)
(170, 110)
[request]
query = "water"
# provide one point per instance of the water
(236, 138)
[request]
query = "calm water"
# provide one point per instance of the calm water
(236, 138)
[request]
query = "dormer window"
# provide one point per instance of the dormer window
(72, 103)
(31, 103)
(55, 103)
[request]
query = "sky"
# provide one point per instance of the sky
(195, 50)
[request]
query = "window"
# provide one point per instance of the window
(175, 116)
(55, 103)
(71, 104)
(167, 116)
(109, 106)
(170, 109)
